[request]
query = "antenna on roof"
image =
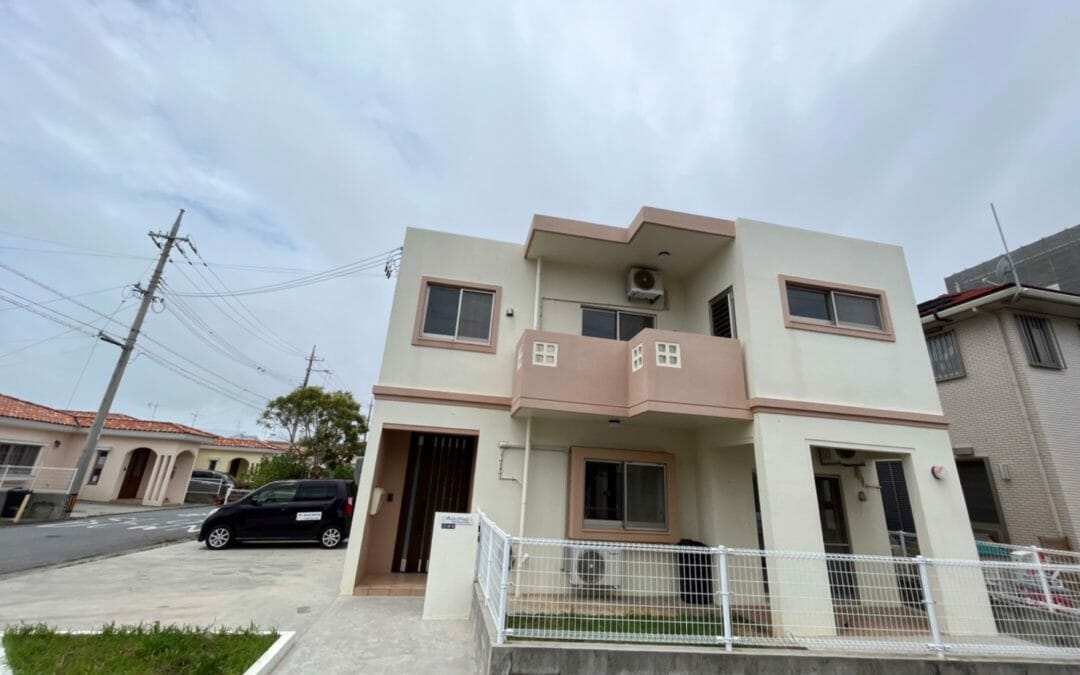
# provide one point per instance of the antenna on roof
(1007, 265)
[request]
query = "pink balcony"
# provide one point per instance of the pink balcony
(657, 371)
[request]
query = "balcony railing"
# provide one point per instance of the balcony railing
(657, 371)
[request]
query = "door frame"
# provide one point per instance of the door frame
(405, 536)
(843, 576)
(128, 476)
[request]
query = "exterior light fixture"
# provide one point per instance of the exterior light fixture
(663, 255)
(614, 424)
(938, 472)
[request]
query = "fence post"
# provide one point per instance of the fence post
(931, 610)
(725, 596)
(1042, 579)
(504, 588)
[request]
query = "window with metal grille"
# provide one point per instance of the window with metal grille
(1039, 342)
(945, 356)
(722, 315)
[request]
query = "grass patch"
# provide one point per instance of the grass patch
(134, 650)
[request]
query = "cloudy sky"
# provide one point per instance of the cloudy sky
(305, 136)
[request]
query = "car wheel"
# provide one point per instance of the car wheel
(331, 536)
(218, 538)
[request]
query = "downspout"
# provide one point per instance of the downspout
(528, 438)
(1027, 426)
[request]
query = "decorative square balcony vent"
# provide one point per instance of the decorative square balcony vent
(545, 354)
(667, 355)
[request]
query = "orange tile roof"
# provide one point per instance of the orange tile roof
(15, 408)
(254, 443)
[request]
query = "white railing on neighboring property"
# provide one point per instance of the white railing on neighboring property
(36, 478)
(601, 591)
(906, 544)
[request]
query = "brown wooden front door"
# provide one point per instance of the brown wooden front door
(136, 467)
(438, 478)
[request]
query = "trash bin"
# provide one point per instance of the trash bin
(695, 574)
(13, 501)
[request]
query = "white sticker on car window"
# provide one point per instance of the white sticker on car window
(309, 515)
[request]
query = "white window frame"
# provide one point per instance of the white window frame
(545, 354)
(637, 357)
(457, 317)
(668, 355)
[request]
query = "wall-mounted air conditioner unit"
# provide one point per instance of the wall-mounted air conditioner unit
(644, 284)
(593, 567)
(841, 456)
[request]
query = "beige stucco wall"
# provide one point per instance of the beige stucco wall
(227, 455)
(803, 365)
(66, 455)
(465, 259)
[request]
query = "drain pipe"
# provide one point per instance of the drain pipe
(528, 439)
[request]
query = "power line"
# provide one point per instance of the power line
(374, 262)
(77, 295)
(90, 330)
(234, 309)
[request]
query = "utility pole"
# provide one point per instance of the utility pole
(126, 349)
(311, 361)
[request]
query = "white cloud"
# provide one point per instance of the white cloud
(310, 135)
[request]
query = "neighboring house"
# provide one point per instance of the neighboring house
(146, 461)
(687, 377)
(1052, 262)
(236, 455)
(1007, 362)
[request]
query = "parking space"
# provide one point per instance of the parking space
(278, 586)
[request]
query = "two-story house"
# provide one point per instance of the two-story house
(686, 377)
(1007, 363)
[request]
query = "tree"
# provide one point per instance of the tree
(323, 427)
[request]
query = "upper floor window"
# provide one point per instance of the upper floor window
(457, 316)
(835, 308)
(1039, 342)
(613, 324)
(945, 356)
(722, 315)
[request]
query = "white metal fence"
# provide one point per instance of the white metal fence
(603, 591)
(36, 478)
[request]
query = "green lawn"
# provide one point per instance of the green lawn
(134, 650)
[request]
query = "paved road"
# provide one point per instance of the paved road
(24, 547)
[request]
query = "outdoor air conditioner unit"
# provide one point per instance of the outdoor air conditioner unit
(841, 456)
(593, 567)
(644, 284)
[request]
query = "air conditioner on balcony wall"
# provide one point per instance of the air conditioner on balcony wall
(841, 456)
(593, 567)
(644, 284)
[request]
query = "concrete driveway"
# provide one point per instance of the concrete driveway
(274, 586)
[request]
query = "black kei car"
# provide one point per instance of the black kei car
(287, 510)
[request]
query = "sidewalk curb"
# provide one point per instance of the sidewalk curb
(272, 657)
(92, 558)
